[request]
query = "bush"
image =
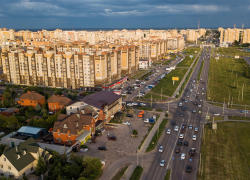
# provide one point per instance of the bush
(137, 173)
(135, 132)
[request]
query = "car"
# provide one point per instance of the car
(135, 104)
(129, 92)
(200, 100)
(143, 82)
(102, 148)
(195, 103)
(142, 104)
(202, 88)
(176, 128)
(188, 96)
(197, 97)
(194, 137)
(184, 108)
(244, 111)
(191, 90)
(162, 163)
(186, 100)
(112, 138)
(177, 149)
(179, 143)
(168, 131)
(173, 123)
(190, 127)
(129, 104)
(216, 114)
(194, 81)
(181, 136)
(185, 143)
(199, 105)
(188, 169)
(183, 155)
(198, 93)
(194, 111)
(183, 130)
(161, 149)
(126, 123)
(136, 87)
(196, 129)
(180, 104)
(184, 125)
(134, 84)
(181, 114)
(129, 115)
(183, 99)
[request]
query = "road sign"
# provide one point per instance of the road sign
(175, 78)
(172, 157)
(191, 56)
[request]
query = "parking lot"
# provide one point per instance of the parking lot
(125, 145)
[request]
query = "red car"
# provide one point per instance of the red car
(112, 138)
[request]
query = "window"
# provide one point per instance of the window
(31, 102)
(65, 126)
(59, 139)
(4, 159)
(70, 107)
(77, 109)
(22, 101)
(1, 174)
(59, 133)
(9, 168)
(69, 134)
(31, 169)
(1, 166)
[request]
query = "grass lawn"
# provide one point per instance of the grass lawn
(216, 104)
(136, 175)
(232, 51)
(186, 62)
(166, 84)
(224, 75)
(167, 176)
(146, 75)
(120, 173)
(217, 118)
(157, 135)
(198, 78)
(239, 117)
(225, 154)
(138, 74)
(238, 107)
(191, 50)
(149, 129)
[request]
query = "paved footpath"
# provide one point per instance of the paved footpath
(129, 171)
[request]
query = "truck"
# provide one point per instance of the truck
(150, 120)
(141, 113)
(192, 152)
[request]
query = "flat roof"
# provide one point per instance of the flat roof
(29, 130)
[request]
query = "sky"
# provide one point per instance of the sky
(49, 14)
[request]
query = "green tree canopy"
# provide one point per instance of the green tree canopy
(92, 167)
(41, 167)
(38, 107)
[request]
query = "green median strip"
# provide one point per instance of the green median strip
(137, 173)
(146, 75)
(239, 117)
(167, 176)
(157, 135)
(198, 78)
(120, 174)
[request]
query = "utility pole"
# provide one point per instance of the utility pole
(207, 111)
(232, 102)
(151, 100)
(223, 105)
(242, 91)
(137, 154)
(161, 94)
(245, 111)
(168, 107)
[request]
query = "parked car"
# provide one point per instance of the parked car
(244, 111)
(199, 105)
(129, 115)
(186, 100)
(161, 149)
(126, 123)
(129, 104)
(184, 108)
(184, 125)
(216, 114)
(102, 148)
(195, 103)
(183, 130)
(112, 138)
(180, 104)
(135, 103)
(181, 114)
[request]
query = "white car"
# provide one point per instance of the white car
(129, 104)
(176, 128)
(126, 123)
(181, 136)
(194, 137)
(134, 103)
(142, 104)
(183, 155)
(199, 105)
(161, 149)
(216, 114)
(136, 87)
(162, 163)
(134, 84)
(168, 131)
(143, 82)
(180, 104)
(196, 129)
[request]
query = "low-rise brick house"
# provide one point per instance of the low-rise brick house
(31, 98)
(56, 103)
(78, 127)
(106, 103)
(9, 112)
(21, 159)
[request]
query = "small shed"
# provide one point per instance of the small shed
(30, 131)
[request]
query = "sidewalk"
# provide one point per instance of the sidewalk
(129, 171)
(151, 134)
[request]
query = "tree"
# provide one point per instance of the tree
(75, 95)
(39, 123)
(13, 93)
(92, 167)
(63, 111)
(3, 121)
(31, 122)
(58, 92)
(38, 107)
(24, 178)
(7, 89)
(57, 171)
(135, 132)
(47, 95)
(41, 167)
(30, 108)
(13, 123)
(236, 43)
(82, 178)
(45, 105)
(27, 114)
(71, 171)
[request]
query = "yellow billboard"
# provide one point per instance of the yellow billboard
(175, 78)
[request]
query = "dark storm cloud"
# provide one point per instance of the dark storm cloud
(129, 13)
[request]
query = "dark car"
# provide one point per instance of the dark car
(173, 123)
(129, 115)
(183, 130)
(179, 143)
(184, 108)
(197, 97)
(129, 92)
(195, 103)
(102, 148)
(183, 99)
(146, 79)
(181, 114)
(185, 143)
(184, 125)
(112, 138)
(188, 169)
(177, 149)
